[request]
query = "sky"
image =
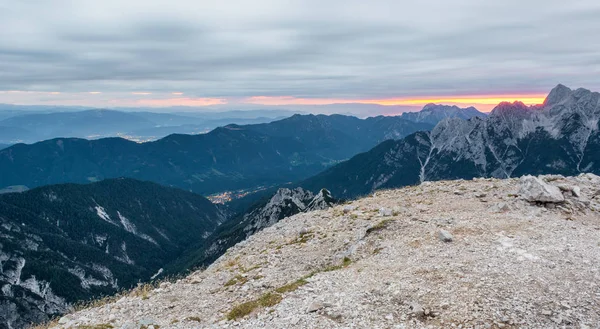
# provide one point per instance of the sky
(243, 54)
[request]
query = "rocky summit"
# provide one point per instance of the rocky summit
(484, 253)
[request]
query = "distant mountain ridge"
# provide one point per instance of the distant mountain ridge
(559, 137)
(227, 158)
(65, 243)
(96, 123)
(434, 113)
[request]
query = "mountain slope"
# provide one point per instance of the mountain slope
(561, 137)
(229, 158)
(65, 243)
(417, 257)
(222, 159)
(339, 136)
(262, 214)
(434, 113)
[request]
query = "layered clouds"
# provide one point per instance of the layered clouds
(214, 52)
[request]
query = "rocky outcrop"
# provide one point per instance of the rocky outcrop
(531, 265)
(285, 203)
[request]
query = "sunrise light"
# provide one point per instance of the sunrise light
(484, 102)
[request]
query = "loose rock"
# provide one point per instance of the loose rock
(445, 236)
(534, 189)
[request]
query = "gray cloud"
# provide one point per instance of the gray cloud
(322, 49)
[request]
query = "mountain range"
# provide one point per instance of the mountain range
(227, 158)
(17, 126)
(66, 243)
(560, 136)
(434, 113)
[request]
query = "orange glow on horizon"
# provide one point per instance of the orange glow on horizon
(462, 100)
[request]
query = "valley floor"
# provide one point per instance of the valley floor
(380, 262)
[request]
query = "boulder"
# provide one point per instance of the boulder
(534, 189)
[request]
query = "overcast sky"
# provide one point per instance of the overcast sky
(198, 52)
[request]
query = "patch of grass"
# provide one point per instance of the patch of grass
(291, 286)
(231, 263)
(266, 300)
(45, 325)
(270, 299)
(235, 280)
(379, 226)
(302, 238)
(193, 318)
(345, 263)
(246, 270)
(142, 291)
(96, 326)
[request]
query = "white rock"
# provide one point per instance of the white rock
(500, 207)
(445, 236)
(385, 212)
(315, 306)
(348, 209)
(534, 189)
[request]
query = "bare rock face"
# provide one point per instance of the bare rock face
(533, 189)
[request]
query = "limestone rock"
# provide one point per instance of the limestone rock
(445, 236)
(533, 189)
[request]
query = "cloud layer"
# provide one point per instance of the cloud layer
(235, 50)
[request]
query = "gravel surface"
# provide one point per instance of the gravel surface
(449, 254)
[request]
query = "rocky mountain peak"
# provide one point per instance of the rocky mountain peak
(557, 94)
(322, 200)
(434, 113)
(507, 108)
(285, 202)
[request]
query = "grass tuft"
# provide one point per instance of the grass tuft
(235, 280)
(291, 286)
(379, 226)
(266, 300)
